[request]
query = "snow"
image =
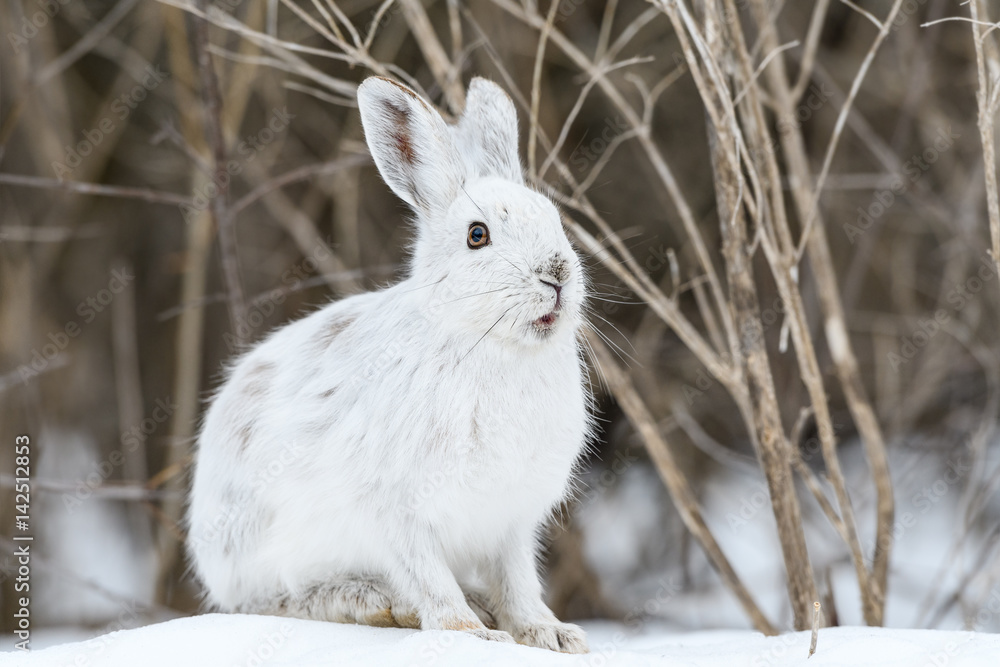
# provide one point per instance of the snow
(631, 538)
(259, 641)
(86, 566)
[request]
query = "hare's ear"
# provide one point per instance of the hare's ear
(411, 145)
(489, 131)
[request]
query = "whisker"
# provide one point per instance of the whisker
(492, 291)
(474, 202)
(484, 335)
(619, 352)
(436, 282)
(595, 363)
(605, 300)
(624, 337)
(507, 260)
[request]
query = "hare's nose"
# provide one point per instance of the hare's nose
(557, 288)
(556, 270)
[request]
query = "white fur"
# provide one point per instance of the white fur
(395, 452)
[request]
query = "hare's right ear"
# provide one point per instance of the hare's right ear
(410, 144)
(489, 125)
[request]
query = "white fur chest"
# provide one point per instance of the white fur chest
(515, 433)
(471, 445)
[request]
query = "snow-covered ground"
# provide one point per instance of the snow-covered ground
(258, 641)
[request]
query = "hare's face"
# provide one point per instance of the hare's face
(508, 267)
(492, 251)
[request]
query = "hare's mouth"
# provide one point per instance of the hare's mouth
(546, 321)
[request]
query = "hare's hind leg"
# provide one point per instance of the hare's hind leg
(360, 599)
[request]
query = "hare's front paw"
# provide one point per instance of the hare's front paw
(562, 637)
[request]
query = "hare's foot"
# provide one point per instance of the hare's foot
(517, 601)
(476, 629)
(563, 637)
(492, 635)
(438, 601)
(363, 600)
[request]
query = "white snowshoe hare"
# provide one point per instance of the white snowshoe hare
(390, 458)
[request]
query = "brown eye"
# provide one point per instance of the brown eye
(479, 235)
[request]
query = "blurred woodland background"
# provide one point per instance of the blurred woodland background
(788, 211)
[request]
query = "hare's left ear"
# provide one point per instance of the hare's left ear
(411, 144)
(488, 130)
